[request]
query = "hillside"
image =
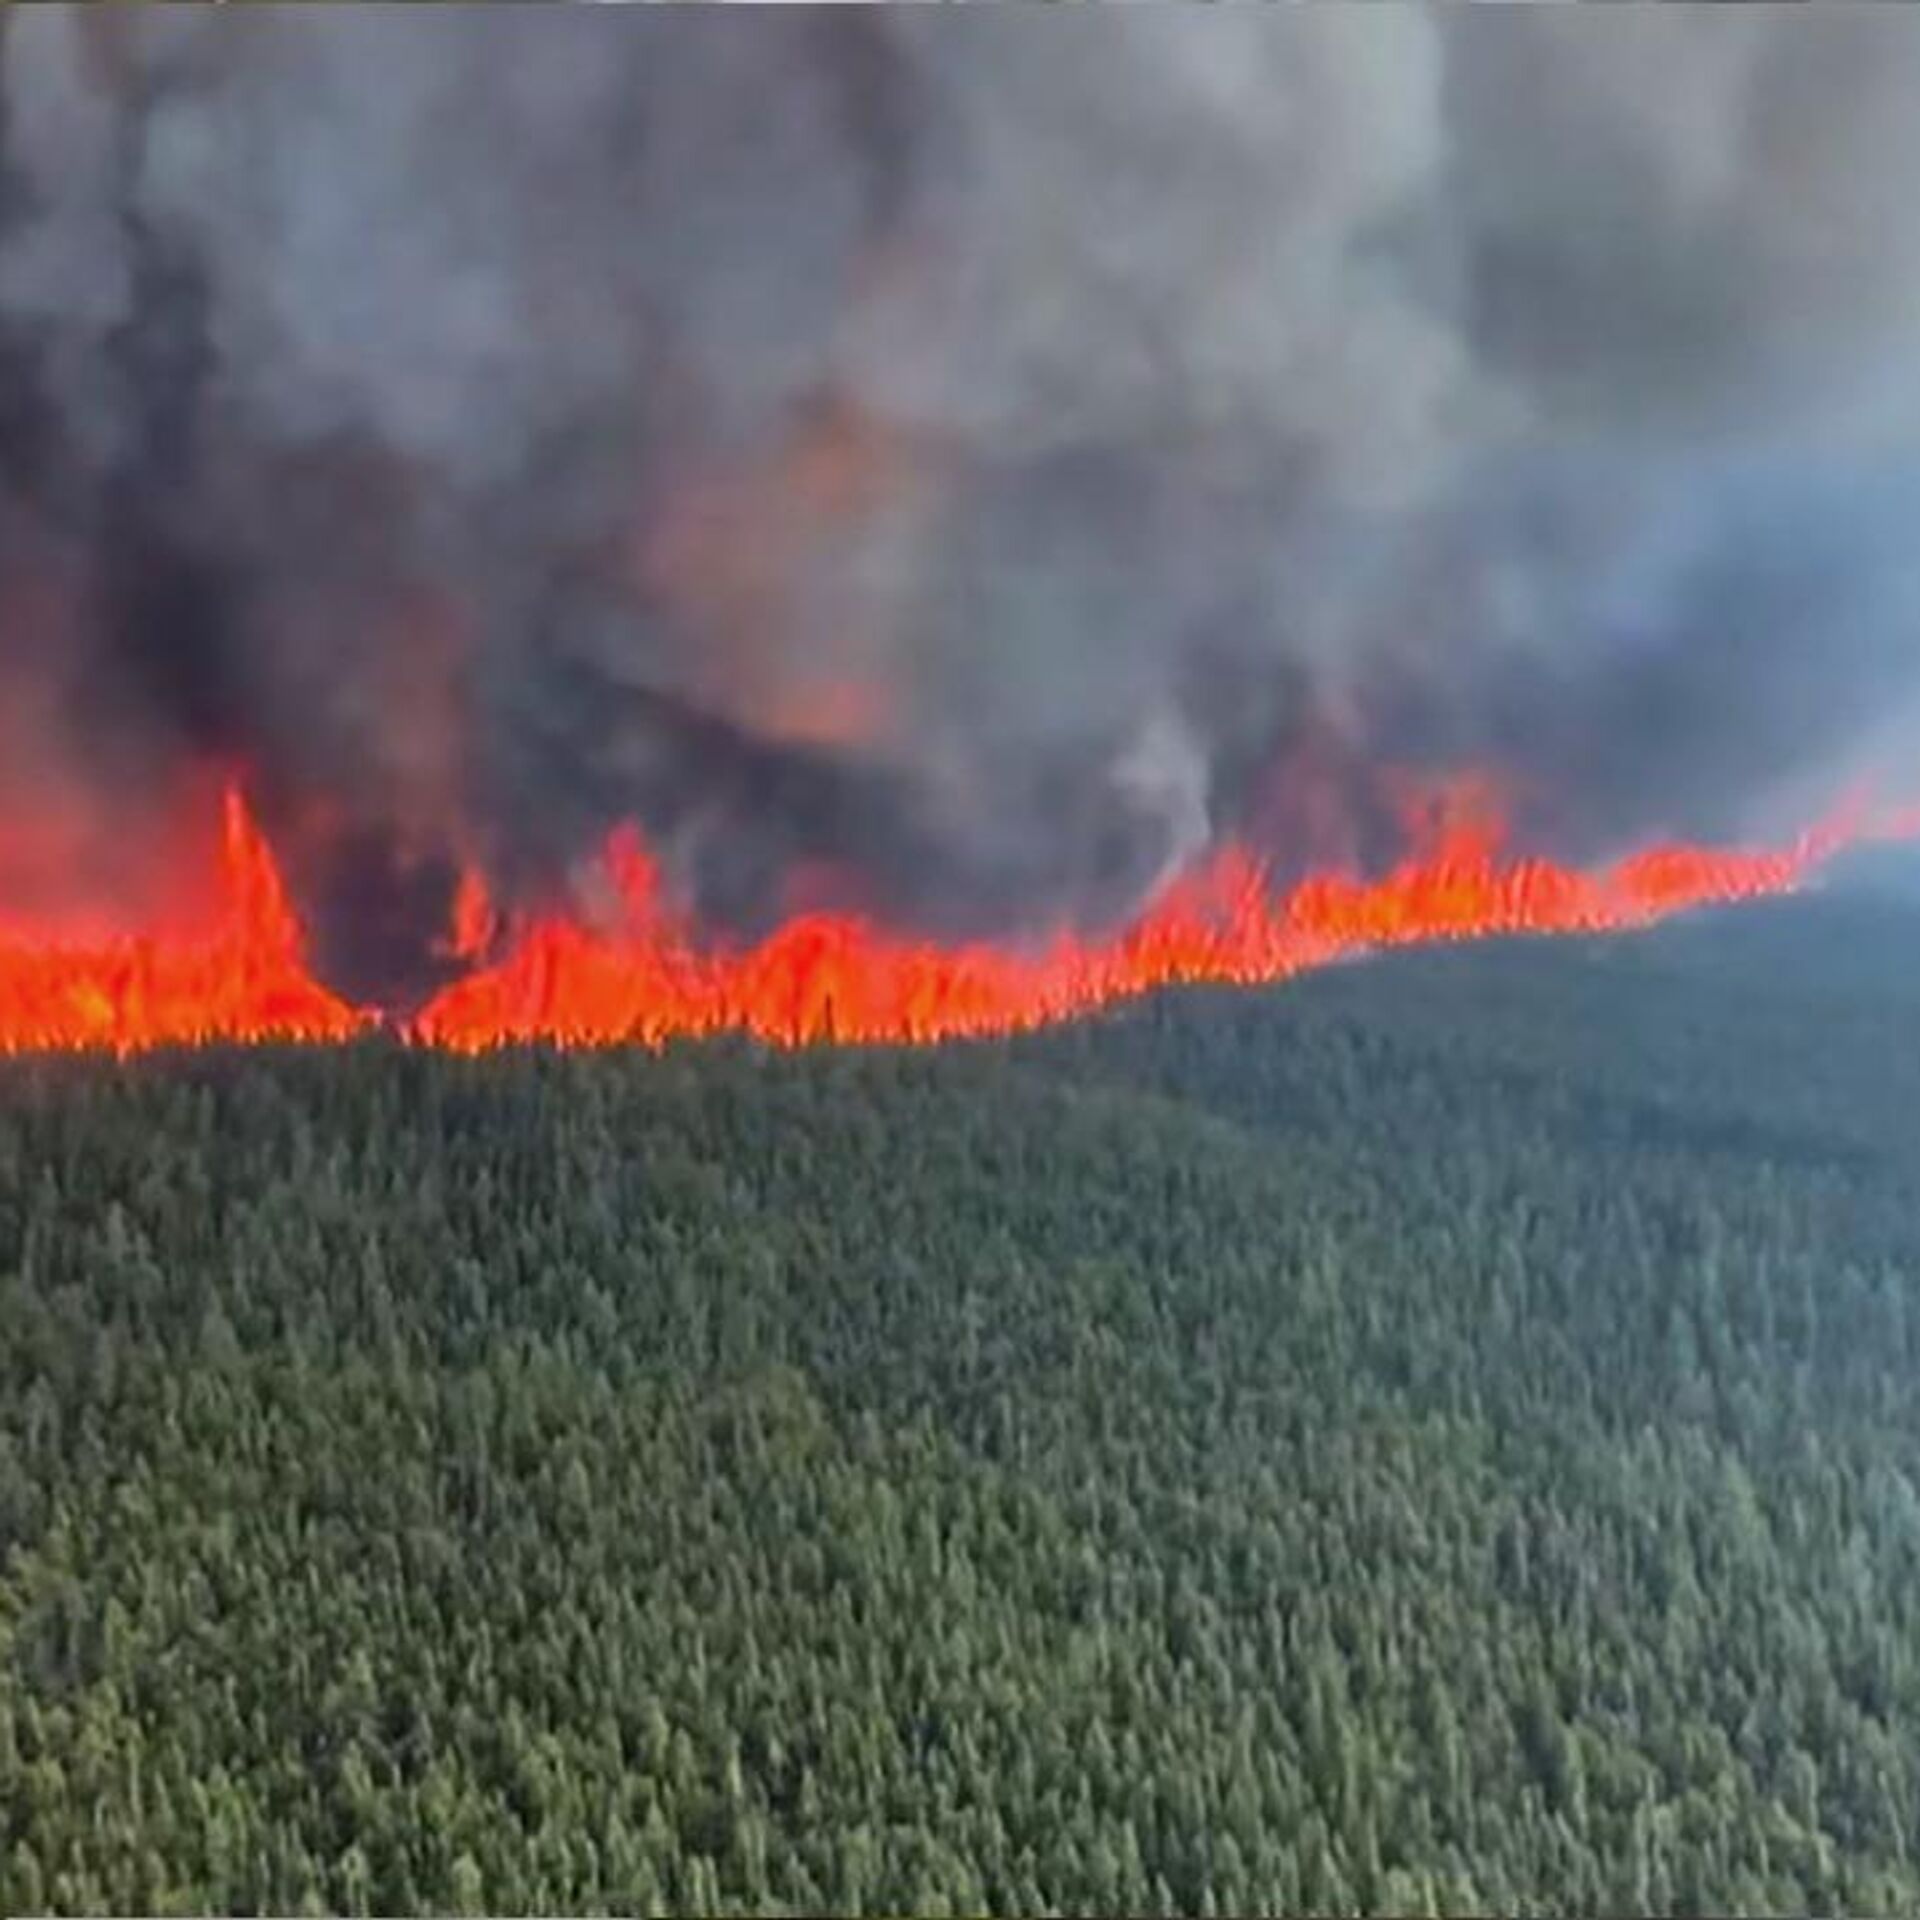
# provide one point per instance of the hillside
(1438, 1436)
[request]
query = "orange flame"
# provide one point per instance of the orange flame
(831, 977)
(645, 978)
(241, 976)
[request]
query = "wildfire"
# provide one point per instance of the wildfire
(644, 977)
(239, 975)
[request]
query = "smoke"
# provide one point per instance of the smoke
(956, 464)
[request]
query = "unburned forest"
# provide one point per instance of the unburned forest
(1439, 1436)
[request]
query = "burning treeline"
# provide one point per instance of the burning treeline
(603, 523)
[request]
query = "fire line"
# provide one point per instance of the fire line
(833, 977)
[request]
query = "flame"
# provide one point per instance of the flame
(239, 975)
(831, 977)
(640, 975)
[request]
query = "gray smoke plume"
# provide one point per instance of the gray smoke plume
(957, 464)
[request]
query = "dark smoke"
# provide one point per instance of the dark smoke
(955, 464)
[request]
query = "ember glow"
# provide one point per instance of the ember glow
(237, 971)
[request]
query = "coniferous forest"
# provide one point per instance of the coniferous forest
(1439, 1436)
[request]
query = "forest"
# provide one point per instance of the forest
(1437, 1436)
